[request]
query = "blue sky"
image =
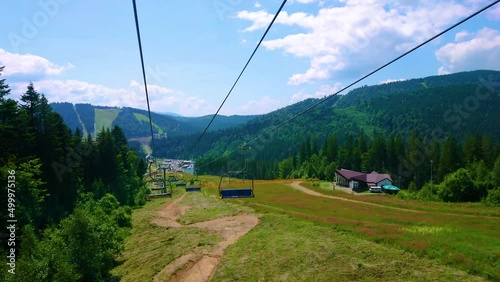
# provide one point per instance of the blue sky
(87, 52)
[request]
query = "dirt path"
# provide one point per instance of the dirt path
(201, 267)
(297, 186)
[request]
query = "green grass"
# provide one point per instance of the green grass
(204, 209)
(84, 129)
(306, 238)
(394, 201)
(143, 118)
(284, 248)
(149, 247)
(472, 245)
(104, 119)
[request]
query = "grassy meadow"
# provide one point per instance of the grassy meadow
(301, 237)
(104, 118)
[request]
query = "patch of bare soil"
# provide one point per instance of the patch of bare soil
(201, 267)
(168, 215)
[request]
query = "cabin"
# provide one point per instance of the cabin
(359, 181)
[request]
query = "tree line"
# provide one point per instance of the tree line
(410, 162)
(73, 194)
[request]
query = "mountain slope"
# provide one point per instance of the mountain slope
(449, 105)
(135, 122)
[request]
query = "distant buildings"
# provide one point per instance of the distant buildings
(160, 135)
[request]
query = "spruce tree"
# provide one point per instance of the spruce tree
(4, 88)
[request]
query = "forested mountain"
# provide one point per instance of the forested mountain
(135, 122)
(455, 105)
(396, 128)
(64, 194)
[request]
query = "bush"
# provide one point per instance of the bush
(493, 198)
(407, 195)
(428, 193)
(459, 187)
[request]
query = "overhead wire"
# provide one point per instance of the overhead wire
(144, 77)
(241, 73)
(321, 101)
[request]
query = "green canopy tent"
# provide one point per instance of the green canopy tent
(390, 189)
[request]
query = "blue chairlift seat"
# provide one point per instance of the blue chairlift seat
(232, 192)
(193, 189)
(173, 180)
(193, 185)
(236, 193)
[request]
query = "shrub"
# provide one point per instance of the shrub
(493, 198)
(459, 187)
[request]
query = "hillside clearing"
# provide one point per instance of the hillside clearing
(300, 246)
(104, 119)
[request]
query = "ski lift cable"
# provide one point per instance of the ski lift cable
(144, 76)
(321, 101)
(241, 73)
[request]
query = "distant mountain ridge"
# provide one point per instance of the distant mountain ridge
(455, 105)
(169, 114)
(90, 119)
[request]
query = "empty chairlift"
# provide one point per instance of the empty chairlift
(230, 187)
(180, 181)
(193, 185)
(159, 186)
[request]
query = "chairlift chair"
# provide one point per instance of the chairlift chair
(160, 184)
(194, 185)
(229, 189)
(181, 182)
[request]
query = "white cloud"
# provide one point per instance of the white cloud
(21, 68)
(263, 105)
(260, 19)
(480, 52)
(306, 1)
(461, 35)
(391, 80)
(324, 90)
(161, 99)
(257, 5)
(357, 35)
(494, 12)
(442, 71)
(29, 65)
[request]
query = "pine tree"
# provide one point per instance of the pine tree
(4, 88)
(331, 148)
(472, 149)
(31, 100)
(495, 174)
(450, 158)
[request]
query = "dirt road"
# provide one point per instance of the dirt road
(201, 267)
(297, 186)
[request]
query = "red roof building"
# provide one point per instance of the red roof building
(359, 181)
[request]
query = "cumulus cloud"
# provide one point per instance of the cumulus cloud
(482, 51)
(263, 105)
(22, 68)
(324, 90)
(391, 80)
(19, 66)
(306, 1)
(356, 35)
(161, 99)
(494, 12)
(461, 35)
